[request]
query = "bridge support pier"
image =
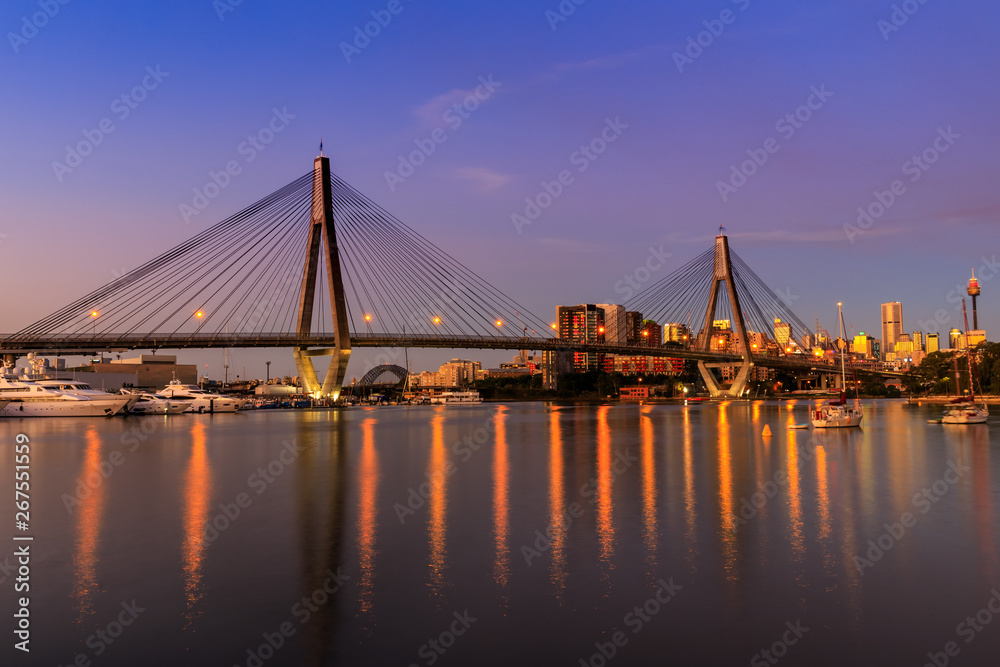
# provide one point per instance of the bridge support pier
(322, 229)
(724, 275)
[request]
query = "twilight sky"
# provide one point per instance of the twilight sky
(868, 89)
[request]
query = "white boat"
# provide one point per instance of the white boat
(837, 414)
(30, 399)
(456, 397)
(201, 400)
(117, 403)
(965, 410)
(157, 404)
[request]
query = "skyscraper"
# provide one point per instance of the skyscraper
(615, 328)
(892, 327)
(583, 323)
(932, 343)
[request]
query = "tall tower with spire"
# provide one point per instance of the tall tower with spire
(974, 292)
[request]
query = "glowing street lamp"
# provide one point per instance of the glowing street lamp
(499, 323)
(93, 316)
(199, 314)
(437, 320)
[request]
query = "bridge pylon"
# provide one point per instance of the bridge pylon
(724, 274)
(323, 238)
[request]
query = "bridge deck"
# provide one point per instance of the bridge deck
(120, 343)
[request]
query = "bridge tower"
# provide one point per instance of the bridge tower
(724, 274)
(323, 238)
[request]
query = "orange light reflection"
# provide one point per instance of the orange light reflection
(367, 515)
(197, 496)
(88, 528)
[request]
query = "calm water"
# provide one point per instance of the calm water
(680, 532)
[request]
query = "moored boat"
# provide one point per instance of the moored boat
(30, 399)
(157, 404)
(837, 414)
(117, 403)
(965, 410)
(456, 398)
(201, 400)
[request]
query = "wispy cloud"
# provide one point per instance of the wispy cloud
(611, 61)
(432, 112)
(483, 179)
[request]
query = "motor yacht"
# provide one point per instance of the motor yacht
(30, 399)
(157, 404)
(115, 402)
(201, 400)
(456, 398)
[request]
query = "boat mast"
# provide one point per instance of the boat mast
(843, 344)
(968, 355)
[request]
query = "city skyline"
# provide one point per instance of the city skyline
(180, 111)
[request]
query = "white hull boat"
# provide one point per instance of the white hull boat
(30, 399)
(158, 404)
(201, 400)
(117, 403)
(964, 409)
(837, 414)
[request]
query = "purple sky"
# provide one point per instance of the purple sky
(887, 95)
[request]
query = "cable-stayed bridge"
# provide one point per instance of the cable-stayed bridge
(318, 267)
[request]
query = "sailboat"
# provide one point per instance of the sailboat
(964, 409)
(837, 414)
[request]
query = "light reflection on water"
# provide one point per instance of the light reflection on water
(675, 513)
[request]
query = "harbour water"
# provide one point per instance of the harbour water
(516, 534)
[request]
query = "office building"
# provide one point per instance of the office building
(582, 324)
(615, 324)
(674, 332)
(932, 343)
(782, 332)
(633, 327)
(651, 334)
(864, 345)
(892, 326)
(954, 339)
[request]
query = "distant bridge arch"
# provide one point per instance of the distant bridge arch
(373, 376)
